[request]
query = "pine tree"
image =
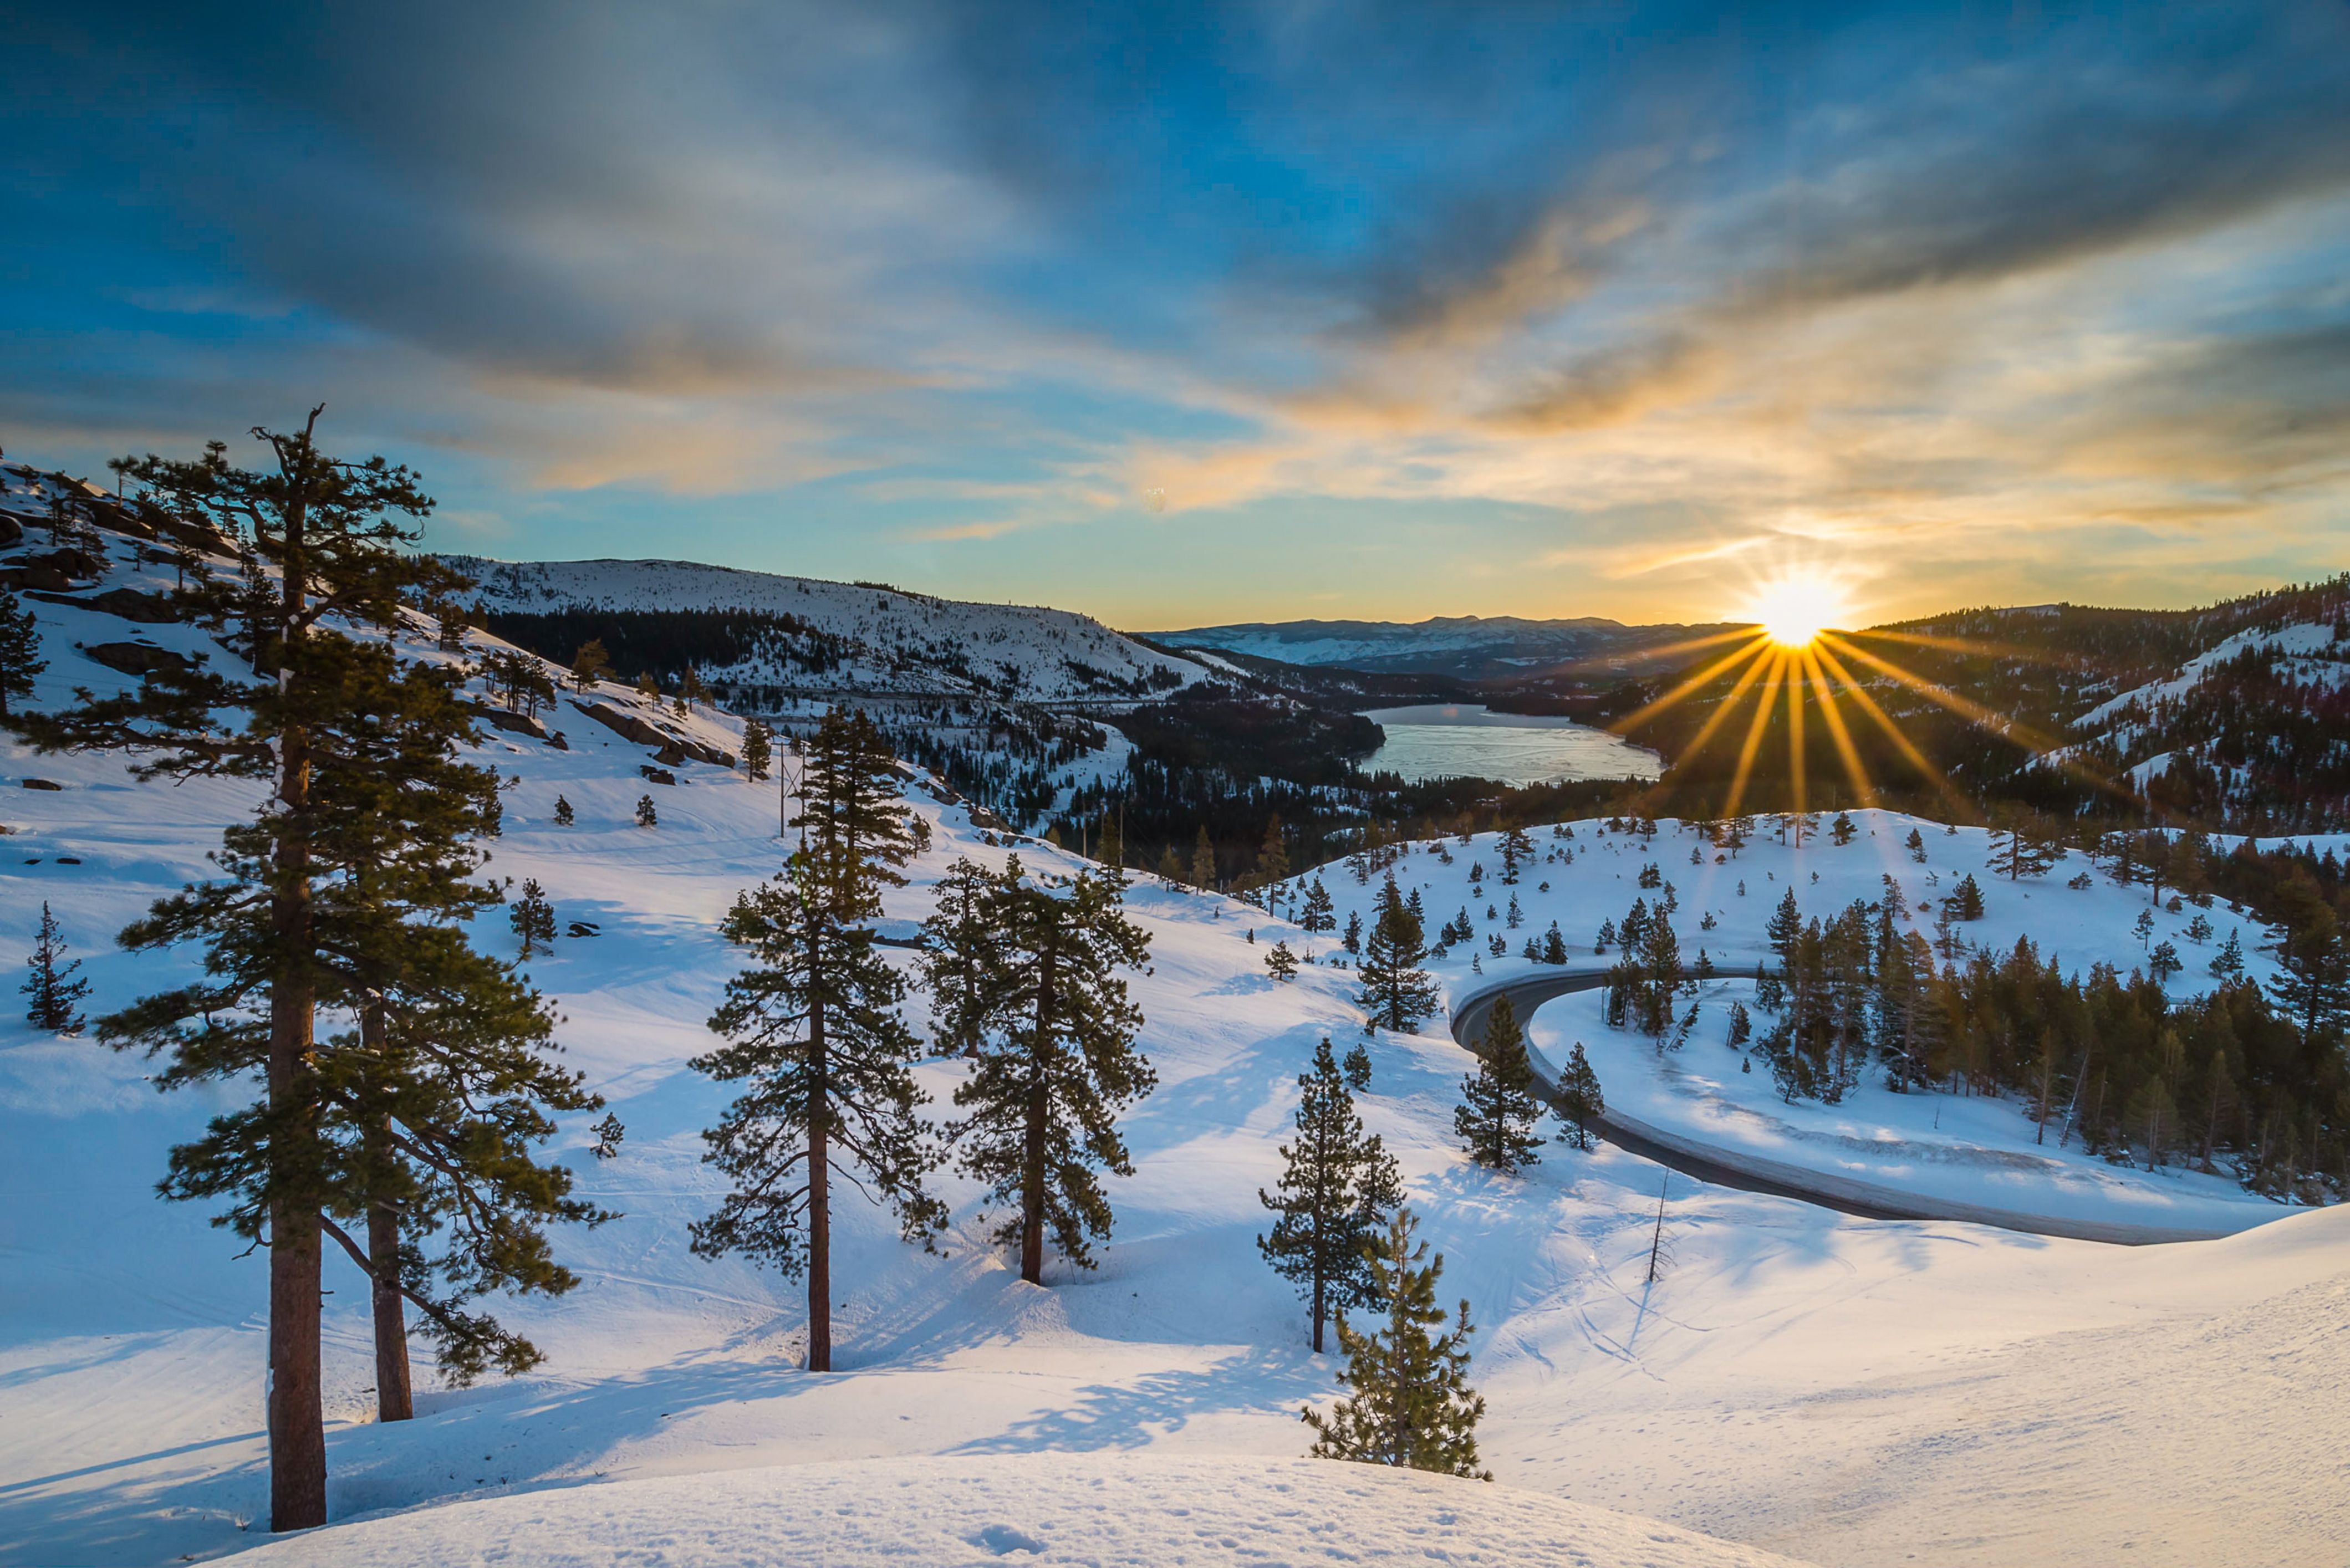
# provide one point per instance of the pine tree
(55, 990)
(1203, 862)
(1358, 1066)
(1272, 859)
(1397, 992)
(2229, 961)
(2021, 846)
(1579, 1097)
(857, 825)
(335, 533)
(1496, 1120)
(1319, 914)
(814, 1036)
(564, 815)
(1966, 901)
(758, 750)
(1280, 961)
(1353, 941)
(1516, 850)
(2312, 985)
(424, 1118)
(1336, 1193)
(20, 651)
(591, 664)
(1842, 829)
(1787, 924)
(1057, 1061)
(1409, 1401)
(533, 918)
(1109, 846)
(1915, 844)
(648, 816)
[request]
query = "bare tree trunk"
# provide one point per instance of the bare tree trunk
(1031, 1175)
(298, 1435)
(819, 1274)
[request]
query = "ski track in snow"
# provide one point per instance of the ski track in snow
(1847, 1391)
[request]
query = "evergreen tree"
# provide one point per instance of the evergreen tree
(855, 821)
(564, 815)
(1057, 1061)
(1516, 850)
(1397, 992)
(1280, 961)
(1786, 924)
(1496, 1120)
(1409, 1401)
(2311, 986)
(1203, 862)
(2229, 961)
(814, 1036)
(648, 816)
(334, 531)
(1318, 913)
(533, 918)
(1353, 941)
(758, 750)
(1915, 844)
(2020, 844)
(20, 651)
(1272, 859)
(1579, 1097)
(1357, 1065)
(1336, 1193)
(591, 664)
(1109, 845)
(960, 957)
(1966, 901)
(1842, 829)
(53, 986)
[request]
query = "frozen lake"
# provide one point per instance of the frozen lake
(1465, 741)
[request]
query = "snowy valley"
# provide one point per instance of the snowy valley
(1676, 1374)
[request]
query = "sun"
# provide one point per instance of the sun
(1794, 611)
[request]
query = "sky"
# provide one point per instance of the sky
(1195, 314)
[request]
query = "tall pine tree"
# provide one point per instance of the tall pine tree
(1057, 1059)
(1338, 1187)
(1397, 992)
(54, 987)
(20, 653)
(815, 1031)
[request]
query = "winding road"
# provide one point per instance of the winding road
(1725, 1168)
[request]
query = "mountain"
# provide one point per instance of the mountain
(785, 637)
(1464, 648)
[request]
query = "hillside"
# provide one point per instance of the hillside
(1790, 1379)
(1461, 648)
(774, 638)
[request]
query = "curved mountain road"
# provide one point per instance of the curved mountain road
(1734, 1168)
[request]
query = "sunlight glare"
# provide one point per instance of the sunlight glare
(1794, 611)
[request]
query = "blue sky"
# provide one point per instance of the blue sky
(1193, 314)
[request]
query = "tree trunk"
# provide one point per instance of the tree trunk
(298, 1435)
(395, 1399)
(1032, 1173)
(819, 1274)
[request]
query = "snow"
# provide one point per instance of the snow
(1845, 1391)
(1983, 1152)
(2308, 648)
(1098, 1511)
(903, 642)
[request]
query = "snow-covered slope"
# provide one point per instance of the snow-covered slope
(896, 642)
(1113, 1511)
(1843, 1391)
(1962, 1150)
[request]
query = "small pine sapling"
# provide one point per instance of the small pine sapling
(608, 1134)
(1497, 1119)
(1916, 846)
(1281, 962)
(54, 985)
(564, 816)
(1409, 1401)
(1580, 1099)
(533, 918)
(646, 816)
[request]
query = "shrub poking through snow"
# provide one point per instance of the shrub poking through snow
(1409, 1401)
(1334, 1195)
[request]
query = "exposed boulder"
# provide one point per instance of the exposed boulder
(146, 609)
(644, 732)
(136, 658)
(513, 723)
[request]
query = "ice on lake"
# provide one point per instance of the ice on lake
(1436, 741)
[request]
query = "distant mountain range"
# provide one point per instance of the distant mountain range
(1461, 648)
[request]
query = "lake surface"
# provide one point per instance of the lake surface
(1442, 740)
